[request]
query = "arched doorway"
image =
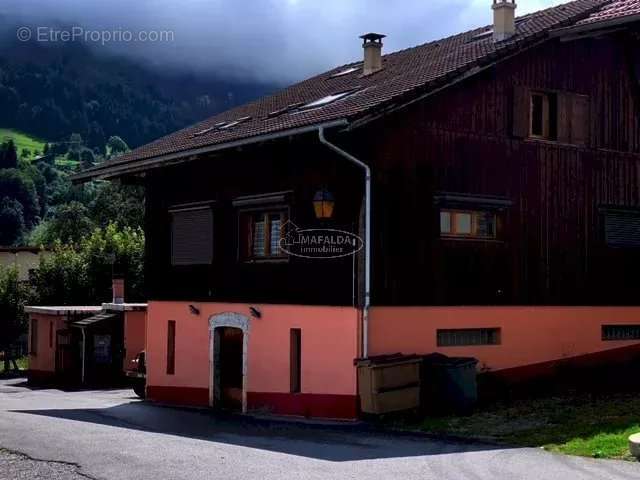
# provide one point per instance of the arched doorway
(228, 342)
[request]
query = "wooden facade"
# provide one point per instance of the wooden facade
(461, 142)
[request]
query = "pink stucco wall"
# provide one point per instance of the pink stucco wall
(135, 330)
(329, 345)
(529, 335)
(44, 360)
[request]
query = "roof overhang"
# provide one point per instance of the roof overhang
(584, 30)
(93, 320)
(107, 172)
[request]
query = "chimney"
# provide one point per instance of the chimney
(117, 284)
(504, 19)
(372, 52)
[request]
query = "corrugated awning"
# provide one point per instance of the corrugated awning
(87, 322)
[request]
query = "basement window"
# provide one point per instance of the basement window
(620, 332)
(544, 116)
(462, 337)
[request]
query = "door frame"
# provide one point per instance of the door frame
(233, 320)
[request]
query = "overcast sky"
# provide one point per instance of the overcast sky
(267, 40)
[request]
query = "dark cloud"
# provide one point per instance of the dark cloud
(265, 40)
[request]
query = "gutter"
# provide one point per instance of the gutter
(111, 171)
(367, 235)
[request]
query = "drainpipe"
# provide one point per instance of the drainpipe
(84, 350)
(367, 237)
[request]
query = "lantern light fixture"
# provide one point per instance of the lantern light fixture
(323, 204)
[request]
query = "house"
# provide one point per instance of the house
(85, 345)
(25, 259)
(492, 179)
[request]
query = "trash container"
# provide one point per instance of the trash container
(389, 383)
(448, 384)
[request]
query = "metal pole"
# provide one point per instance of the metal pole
(367, 236)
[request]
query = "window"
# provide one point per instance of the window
(34, 337)
(260, 234)
(468, 337)
(620, 332)
(295, 363)
(544, 116)
(192, 235)
(552, 116)
(171, 347)
(468, 224)
(622, 227)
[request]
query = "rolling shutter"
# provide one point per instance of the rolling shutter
(192, 236)
(622, 228)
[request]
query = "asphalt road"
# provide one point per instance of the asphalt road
(111, 435)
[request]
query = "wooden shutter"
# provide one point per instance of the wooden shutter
(573, 118)
(521, 112)
(192, 236)
(580, 120)
(565, 108)
(622, 228)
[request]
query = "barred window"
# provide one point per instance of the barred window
(620, 332)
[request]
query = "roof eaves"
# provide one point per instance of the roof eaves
(112, 171)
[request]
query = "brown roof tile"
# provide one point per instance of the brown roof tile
(405, 73)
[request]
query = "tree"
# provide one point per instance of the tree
(70, 223)
(116, 146)
(11, 221)
(8, 154)
(18, 186)
(13, 298)
(81, 273)
(87, 159)
(25, 153)
(75, 143)
(120, 204)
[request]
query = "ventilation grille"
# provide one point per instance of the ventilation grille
(468, 336)
(622, 228)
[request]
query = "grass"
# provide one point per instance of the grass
(22, 140)
(587, 425)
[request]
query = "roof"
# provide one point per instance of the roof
(406, 74)
(613, 11)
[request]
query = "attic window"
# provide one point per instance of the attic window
(346, 71)
(282, 111)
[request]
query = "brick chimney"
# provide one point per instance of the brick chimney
(118, 289)
(504, 19)
(372, 52)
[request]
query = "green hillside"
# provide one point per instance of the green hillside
(22, 141)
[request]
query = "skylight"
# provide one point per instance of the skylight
(346, 71)
(203, 132)
(321, 102)
(234, 123)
